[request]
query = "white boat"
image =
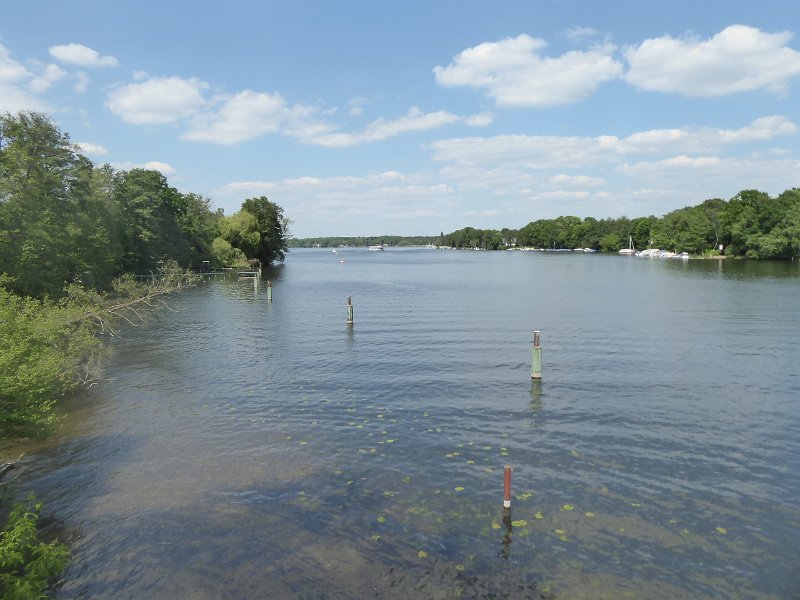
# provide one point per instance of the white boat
(589, 250)
(629, 251)
(376, 248)
(649, 253)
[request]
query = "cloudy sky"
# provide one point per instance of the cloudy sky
(421, 116)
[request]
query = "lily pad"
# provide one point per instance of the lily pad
(568, 507)
(375, 537)
(422, 554)
(722, 530)
(519, 523)
(538, 515)
(458, 488)
(381, 519)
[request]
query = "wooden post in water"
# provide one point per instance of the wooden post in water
(269, 291)
(349, 310)
(536, 357)
(507, 490)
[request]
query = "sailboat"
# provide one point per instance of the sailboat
(629, 251)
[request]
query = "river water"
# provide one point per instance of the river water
(245, 449)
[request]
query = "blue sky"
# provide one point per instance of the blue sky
(415, 117)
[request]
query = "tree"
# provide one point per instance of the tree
(273, 228)
(38, 171)
(610, 242)
(240, 231)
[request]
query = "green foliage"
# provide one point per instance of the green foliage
(43, 352)
(751, 224)
(63, 220)
(362, 241)
(757, 226)
(68, 229)
(273, 229)
(485, 239)
(27, 564)
(50, 348)
(226, 255)
(241, 231)
(610, 242)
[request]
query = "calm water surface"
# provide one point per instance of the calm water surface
(242, 449)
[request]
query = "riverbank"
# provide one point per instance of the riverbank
(51, 348)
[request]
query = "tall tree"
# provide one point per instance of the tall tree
(273, 228)
(38, 174)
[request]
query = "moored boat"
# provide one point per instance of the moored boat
(630, 250)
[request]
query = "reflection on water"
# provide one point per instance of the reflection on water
(243, 449)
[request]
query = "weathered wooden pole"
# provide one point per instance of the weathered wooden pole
(349, 310)
(536, 357)
(507, 489)
(269, 291)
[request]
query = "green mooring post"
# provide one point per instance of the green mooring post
(269, 291)
(349, 310)
(536, 357)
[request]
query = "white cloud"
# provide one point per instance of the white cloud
(578, 34)
(91, 149)
(380, 129)
(513, 73)
(355, 205)
(249, 115)
(558, 152)
(157, 100)
(153, 165)
(46, 76)
(356, 106)
(10, 70)
(707, 176)
(738, 59)
(81, 56)
(245, 116)
(600, 176)
(479, 120)
(575, 180)
(19, 87)
(82, 80)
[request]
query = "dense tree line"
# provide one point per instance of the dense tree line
(68, 231)
(751, 224)
(65, 220)
(360, 241)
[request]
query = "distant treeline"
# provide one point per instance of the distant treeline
(65, 220)
(354, 242)
(751, 224)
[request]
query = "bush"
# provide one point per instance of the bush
(40, 355)
(27, 565)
